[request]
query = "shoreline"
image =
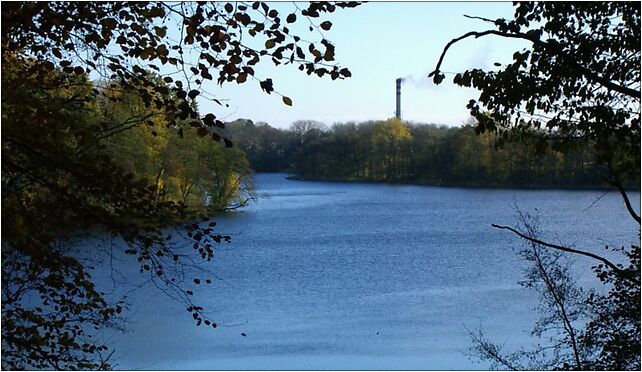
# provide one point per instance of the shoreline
(293, 177)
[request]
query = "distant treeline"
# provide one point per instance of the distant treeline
(395, 151)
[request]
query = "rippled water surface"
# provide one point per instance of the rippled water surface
(363, 276)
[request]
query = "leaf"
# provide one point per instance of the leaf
(287, 100)
(291, 18)
(193, 93)
(326, 25)
(269, 44)
(329, 54)
(160, 31)
(109, 23)
(202, 132)
(228, 143)
(209, 120)
(438, 78)
(267, 86)
(229, 8)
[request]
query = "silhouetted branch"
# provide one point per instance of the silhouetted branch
(491, 351)
(130, 123)
(620, 272)
(618, 184)
(480, 18)
(554, 48)
(559, 297)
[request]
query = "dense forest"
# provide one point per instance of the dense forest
(396, 151)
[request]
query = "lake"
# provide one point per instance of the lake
(362, 276)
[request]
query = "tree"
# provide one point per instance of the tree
(389, 139)
(302, 128)
(59, 178)
(562, 306)
(578, 83)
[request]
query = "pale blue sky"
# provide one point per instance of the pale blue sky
(379, 42)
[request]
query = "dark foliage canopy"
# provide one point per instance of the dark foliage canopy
(579, 80)
(58, 180)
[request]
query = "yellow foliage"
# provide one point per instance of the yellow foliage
(392, 131)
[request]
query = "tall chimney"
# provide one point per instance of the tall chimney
(398, 110)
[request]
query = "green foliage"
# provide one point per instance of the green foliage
(191, 168)
(395, 151)
(266, 148)
(78, 155)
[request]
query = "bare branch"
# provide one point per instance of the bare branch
(491, 351)
(480, 18)
(620, 272)
(559, 299)
(618, 184)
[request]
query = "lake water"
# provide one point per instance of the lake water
(363, 276)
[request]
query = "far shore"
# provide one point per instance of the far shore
(605, 187)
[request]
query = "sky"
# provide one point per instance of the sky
(378, 42)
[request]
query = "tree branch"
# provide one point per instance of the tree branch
(618, 184)
(480, 18)
(558, 296)
(491, 351)
(620, 272)
(548, 46)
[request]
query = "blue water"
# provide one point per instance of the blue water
(361, 276)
